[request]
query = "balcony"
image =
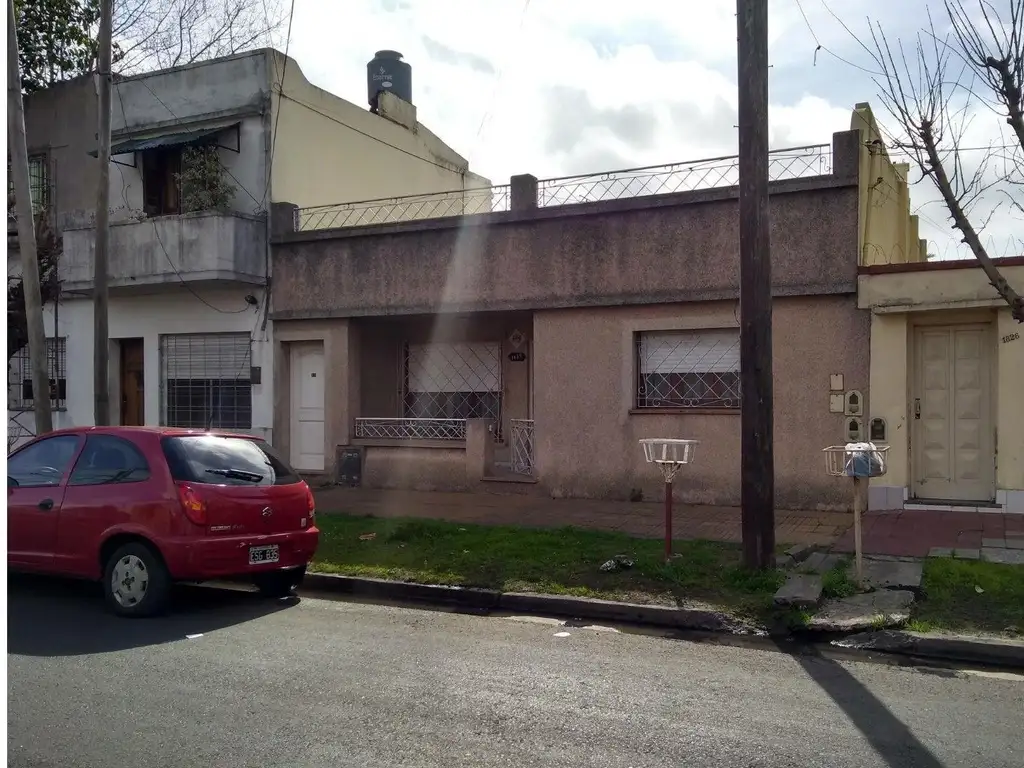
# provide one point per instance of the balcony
(164, 250)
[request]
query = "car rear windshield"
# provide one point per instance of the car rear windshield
(223, 460)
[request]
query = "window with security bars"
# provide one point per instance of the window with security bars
(688, 369)
(20, 389)
(205, 381)
(453, 381)
(38, 182)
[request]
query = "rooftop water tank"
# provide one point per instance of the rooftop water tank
(387, 72)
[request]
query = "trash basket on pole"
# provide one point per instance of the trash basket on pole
(858, 461)
(669, 454)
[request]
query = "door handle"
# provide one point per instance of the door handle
(46, 505)
(917, 407)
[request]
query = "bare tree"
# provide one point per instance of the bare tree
(936, 90)
(155, 34)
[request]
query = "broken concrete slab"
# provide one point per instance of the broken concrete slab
(800, 591)
(893, 574)
(800, 552)
(886, 607)
(1002, 555)
(820, 562)
(967, 554)
(940, 552)
(783, 561)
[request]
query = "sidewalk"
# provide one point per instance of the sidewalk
(915, 532)
(641, 519)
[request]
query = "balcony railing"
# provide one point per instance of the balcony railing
(709, 173)
(410, 429)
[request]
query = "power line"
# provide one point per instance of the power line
(332, 118)
(831, 53)
(277, 116)
(192, 133)
(498, 77)
(184, 282)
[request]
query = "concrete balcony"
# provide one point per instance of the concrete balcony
(168, 250)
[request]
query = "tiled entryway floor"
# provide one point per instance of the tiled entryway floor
(643, 519)
(914, 532)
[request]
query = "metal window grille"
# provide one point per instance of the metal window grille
(205, 381)
(688, 369)
(38, 182)
(522, 443)
(20, 389)
(453, 381)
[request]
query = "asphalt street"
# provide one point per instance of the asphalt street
(232, 680)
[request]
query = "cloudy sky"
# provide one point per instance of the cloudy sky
(557, 87)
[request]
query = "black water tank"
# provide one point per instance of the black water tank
(387, 72)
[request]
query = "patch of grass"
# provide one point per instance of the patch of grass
(836, 582)
(970, 596)
(552, 561)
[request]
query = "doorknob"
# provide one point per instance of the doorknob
(46, 505)
(917, 407)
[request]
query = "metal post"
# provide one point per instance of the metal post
(101, 262)
(858, 486)
(27, 232)
(668, 520)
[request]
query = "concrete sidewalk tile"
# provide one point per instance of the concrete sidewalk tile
(967, 554)
(1005, 556)
(800, 590)
(1015, 543)
(999, 543)
(940, 552)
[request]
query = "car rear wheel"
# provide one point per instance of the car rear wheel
(279, 583)
(136, 582)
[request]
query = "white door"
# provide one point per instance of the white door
(307, 406)
(953, 442)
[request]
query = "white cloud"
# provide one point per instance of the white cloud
(576, 86)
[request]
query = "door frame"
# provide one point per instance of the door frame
(986, 319)
(293, 348)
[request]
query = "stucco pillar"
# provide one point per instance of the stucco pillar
(846, 149)
(524, 192)
(283, 218)
(479, 449)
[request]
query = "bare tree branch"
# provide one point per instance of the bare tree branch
(979, 63)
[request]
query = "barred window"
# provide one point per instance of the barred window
(688, 369)
(38, 181)
(205, 381)
(20, 389)
(453, 381)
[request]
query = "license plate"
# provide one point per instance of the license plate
(267, 554)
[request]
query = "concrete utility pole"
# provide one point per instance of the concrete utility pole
(26, 232)
(757, 421)
(101, 298)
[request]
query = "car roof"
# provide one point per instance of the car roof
(161, 431)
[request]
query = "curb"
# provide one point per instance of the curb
(951, 648)
(565, 606)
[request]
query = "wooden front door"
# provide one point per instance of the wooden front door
(133, 402)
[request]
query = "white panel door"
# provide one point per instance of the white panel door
(953, 442)
(307, 406)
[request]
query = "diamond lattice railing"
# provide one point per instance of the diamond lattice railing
(783, 164)
(408, 208)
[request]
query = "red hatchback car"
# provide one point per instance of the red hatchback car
(142, 507)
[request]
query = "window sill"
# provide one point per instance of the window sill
(684, 412)
(379, 442)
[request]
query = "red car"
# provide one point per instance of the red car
(142, 507)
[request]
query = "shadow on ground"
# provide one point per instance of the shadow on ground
(55, 617)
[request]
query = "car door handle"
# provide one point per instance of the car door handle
(46, 505)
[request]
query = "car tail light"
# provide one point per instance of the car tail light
(192, 504)
(310, 505)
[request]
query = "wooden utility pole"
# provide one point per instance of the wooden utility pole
(101, 261)
(26, 231)
(758, 461)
